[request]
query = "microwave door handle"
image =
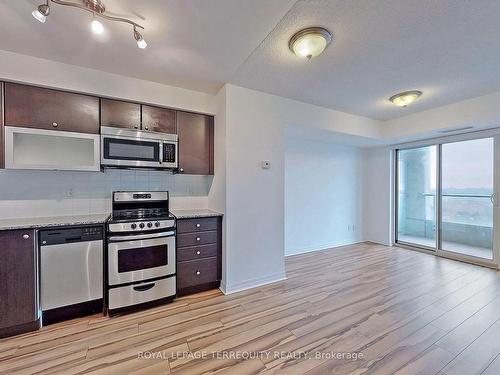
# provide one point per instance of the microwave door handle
(161, 153)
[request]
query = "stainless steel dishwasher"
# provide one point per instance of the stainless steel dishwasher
(71, 277)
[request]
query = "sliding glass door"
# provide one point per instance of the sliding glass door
(445, 199)
(467, 200)
(416, 192)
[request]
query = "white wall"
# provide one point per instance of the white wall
(378, 190)
(255, 207)
(323, 195)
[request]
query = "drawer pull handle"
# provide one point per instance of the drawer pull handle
(198, 225)
(54, 124)
(198, 273)
(26, 236)
(143, 288)
(198, 238)
(198, 252)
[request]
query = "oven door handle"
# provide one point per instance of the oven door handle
(142, 236)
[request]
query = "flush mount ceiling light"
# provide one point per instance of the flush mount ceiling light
(97, 9)
(405, 98)
(310, 42)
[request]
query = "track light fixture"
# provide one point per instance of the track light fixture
(141, 43)
(97, 8)
(41, 12)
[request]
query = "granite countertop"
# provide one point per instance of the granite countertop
(53, 221)
(190, 214)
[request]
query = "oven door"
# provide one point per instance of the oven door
(140, 257)
(130, 152)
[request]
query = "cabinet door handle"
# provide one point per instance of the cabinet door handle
(198, 252)
(198, 238)
(146, 128)
(136, 127)
(198, 225)
(26, 236)
(55, 125)
(198, 273)
(182, 170)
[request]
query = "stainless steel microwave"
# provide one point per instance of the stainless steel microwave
(129, 148)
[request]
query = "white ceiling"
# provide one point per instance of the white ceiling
(195, 44)
(449, 49)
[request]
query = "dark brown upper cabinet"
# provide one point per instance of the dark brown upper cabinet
(36, 107)
(120, 114)
(18, 311)
(157, 119)
(196, 143)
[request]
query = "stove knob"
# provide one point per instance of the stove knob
(141, 225)
(133, 226)
(150, 225)
(157, 224)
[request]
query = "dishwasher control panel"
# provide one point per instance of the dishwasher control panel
(70, 235)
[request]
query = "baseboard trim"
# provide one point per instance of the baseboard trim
(254, 283)
(326, 247)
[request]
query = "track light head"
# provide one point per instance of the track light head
(141, 43)
(96, 26)
(41, 12)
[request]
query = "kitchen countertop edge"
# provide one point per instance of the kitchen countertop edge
(195, 213)
(53, 221)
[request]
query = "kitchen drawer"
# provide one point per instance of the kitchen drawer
(197, 225)
(196, 272)
(140, 293)
(196, 252)
(194, 239)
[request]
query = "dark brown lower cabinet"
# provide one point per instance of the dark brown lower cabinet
(199, 254)
(18, 308)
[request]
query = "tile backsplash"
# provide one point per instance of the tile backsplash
(45, 193)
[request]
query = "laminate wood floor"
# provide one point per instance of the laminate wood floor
(361, 309)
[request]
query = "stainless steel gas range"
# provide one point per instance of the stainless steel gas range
(140, 251)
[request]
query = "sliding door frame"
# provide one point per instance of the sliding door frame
(396, 202)
(493, 133)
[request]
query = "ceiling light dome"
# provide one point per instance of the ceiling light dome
(310, 42)
(405, 98)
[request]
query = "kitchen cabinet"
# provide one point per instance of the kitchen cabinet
(157, 119)
(120, 114)
(196, 143)
(199, 254)
(18, 310)
(36, 107)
